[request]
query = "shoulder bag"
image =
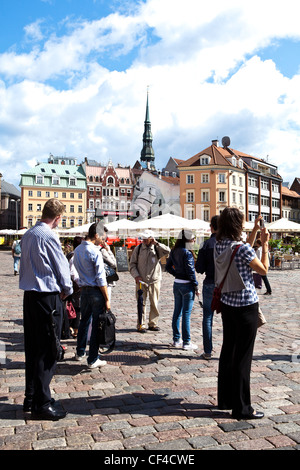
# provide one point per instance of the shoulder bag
(216, 300)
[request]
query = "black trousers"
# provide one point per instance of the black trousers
(39, 362)
(239, 332)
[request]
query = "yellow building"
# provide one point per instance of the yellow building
(59, 178)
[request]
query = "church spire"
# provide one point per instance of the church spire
(147, 153)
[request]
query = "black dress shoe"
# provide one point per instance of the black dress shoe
(27, 404)
(254, 415)
(50, 413)
(154, 328)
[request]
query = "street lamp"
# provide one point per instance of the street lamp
(17, 221)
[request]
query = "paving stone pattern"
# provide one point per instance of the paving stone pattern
(151, 396)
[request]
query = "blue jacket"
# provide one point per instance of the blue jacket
(180, 264)
(205, 261)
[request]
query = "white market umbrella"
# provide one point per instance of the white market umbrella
(121, 225)
(283, 225)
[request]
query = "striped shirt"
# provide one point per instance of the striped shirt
(43, 266)
(243, 258)
(88, 262)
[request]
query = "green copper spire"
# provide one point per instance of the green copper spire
(147, 153)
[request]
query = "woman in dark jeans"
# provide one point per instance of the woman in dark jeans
(239, 316)
(181, 265)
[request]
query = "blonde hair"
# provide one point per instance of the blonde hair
(53, 208)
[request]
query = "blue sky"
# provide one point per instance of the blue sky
(74, 77)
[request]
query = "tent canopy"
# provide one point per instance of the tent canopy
(283, 225)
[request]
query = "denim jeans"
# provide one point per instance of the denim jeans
(207, 294)
(92, 303)
(16, 263)
(184, 295)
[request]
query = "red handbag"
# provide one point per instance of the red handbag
(216, 300)
(71, 312)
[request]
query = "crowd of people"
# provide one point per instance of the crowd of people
(52, 280)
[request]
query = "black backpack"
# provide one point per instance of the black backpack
(106, 332)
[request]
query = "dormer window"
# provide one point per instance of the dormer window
(39, 179)
(55, 180)
(72, 181)
(204, 160)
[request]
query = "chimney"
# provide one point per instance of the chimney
(215, 142)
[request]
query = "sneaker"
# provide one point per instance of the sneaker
(79, 358)
(206, 356)
(97, 363)
(177, 344)
(190, 346)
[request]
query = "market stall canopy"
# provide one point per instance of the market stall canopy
(283, 225)
(173, 223)
(122, 226)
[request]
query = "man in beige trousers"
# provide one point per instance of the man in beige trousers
(145, 267)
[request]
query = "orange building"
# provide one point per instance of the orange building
(211, 180)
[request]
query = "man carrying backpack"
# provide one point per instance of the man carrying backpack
(145, 267)
(16, 254)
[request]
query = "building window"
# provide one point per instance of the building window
(80, 209)
(204, 160)
(79, 222)
(39, 193)
(253, 199)
(265, 201)
(190, 196)
(39, 207)
(240, 181)
(29, 207)
(64, 195)
(252, 182)
(276, 203)
(55, 180)
(39, 179)
(72, 224)
(275, 188)
(47, 193)
(190, 213)
(221, 178)
(233, 179)
(72, 209)
(79, 195)
(204, 178)
(30, 222)
(222, 196)
(264, 184)
(206, 215)
(205, 196)
(55, 194)
(64, 223)
(91, 191)
(190, 179)
(72, 195)
(72, 182)
(29, 193)
(110, 180)
(234, 198)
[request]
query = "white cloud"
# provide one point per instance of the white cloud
(206, 80)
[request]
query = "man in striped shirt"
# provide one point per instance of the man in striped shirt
(45, 279)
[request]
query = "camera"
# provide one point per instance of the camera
(262, 223)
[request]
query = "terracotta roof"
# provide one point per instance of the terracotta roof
(217, 155)
(287, 192)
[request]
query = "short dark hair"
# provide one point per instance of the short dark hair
(92, 231)
(230, 224)
(214, 222)
(77, 241)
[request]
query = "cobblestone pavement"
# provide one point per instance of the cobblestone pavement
(150, 396)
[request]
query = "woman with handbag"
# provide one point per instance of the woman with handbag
(181, 265)
(239, 309)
